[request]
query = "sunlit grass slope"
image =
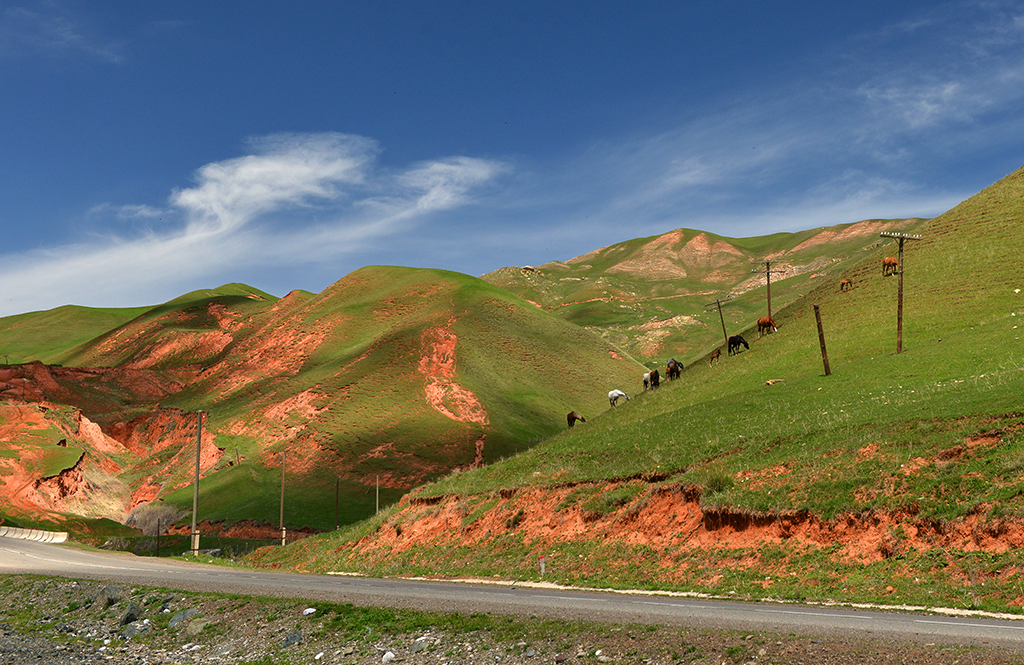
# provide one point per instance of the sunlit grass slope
(48, 336)
(340, 382)
(961, 372)
(174, 334)
(650, 295)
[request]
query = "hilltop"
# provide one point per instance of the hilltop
(897, 478)
(650, 296)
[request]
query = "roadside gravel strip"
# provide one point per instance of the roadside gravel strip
(125, 609)
(62, 622)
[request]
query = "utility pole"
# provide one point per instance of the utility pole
(768, 282)
(337, 492)
(284, 533)
(195, 485)
(900, 237)
(718, 303)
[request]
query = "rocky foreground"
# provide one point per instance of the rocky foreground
(59, 622)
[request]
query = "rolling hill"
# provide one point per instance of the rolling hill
(650, 296)
(392, 375)
(896, 478)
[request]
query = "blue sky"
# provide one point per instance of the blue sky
(149, 149)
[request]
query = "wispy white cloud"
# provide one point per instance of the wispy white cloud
(296, 199)
(52, 30)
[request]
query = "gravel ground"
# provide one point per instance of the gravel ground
(64, 622)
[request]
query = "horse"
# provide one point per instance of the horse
(766, 326)
(614, 396)
(655, 378)
(845, 284)
(572, 417)
(890, 266)
(674, 369)
(734, 344)
(647, 380)
(715, 355)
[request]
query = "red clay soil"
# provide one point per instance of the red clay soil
(670, 518)
(437, 364)
(241, 529)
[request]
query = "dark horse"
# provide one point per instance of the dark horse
(572, 417)
(734, 344)
(655, 378)
(674, 369)
(715, 355)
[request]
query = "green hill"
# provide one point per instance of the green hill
(650, 296)
(393, 376)
(897, 478)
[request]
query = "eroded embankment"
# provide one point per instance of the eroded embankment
(672, 519)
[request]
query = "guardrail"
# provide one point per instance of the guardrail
(33, 534)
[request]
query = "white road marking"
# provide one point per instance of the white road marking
(972, 625)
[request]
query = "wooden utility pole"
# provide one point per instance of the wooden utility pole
(718, 303)
(337, 492)
(821, 340)
(768, 282)
(283, 532)
(195, 486)
(900, 237)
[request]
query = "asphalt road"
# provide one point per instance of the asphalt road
(21, 556)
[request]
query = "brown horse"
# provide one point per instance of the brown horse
(674, 369)
(655, 379)
(715, 355)
(765, 325)
(890, 266)
(572, 417)
(845, 284)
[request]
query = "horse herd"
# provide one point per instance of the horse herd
(765, 326)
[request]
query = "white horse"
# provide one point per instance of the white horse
(614, 396)
(647, 379)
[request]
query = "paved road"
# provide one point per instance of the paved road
(19, 556)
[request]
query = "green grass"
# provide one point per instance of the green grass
(932, 435)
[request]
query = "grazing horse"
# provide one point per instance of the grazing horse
(734, 344)
(845, 284)
(614, 396)
(572, 417)
(715, 355)
(647, 380)
(765, 325)
(655, 378)
(674, 369)
(890, 266)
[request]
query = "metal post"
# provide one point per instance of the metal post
(821, 340)
(283, 532)
(195, 485)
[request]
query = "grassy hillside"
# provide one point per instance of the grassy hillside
(504, 374)
(962, 357)
(650, 295)
(898, 478)
(392, 376)
(48, 336)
